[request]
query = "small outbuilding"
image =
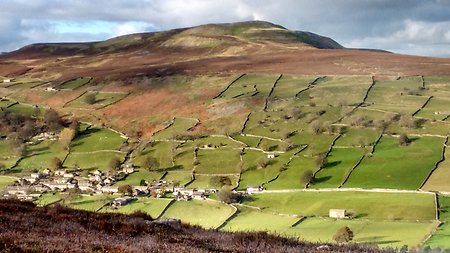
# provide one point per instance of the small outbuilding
(338, 213)
(271, 155)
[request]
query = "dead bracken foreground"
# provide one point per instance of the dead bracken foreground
(27, 228)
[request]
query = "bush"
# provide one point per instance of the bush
(90, 98)
(307, 177)
(220, 181)
(403, 140)
(114, 163)
(262, 162)
(55, 163)
(151, 163)
(227, 196)
(344, 234)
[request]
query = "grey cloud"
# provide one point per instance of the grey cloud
(362, 23)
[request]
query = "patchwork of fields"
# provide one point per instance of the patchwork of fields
(374, 147)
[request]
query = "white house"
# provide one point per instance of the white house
(253, 189)
(338, 213)
(271, 155)
(7, 80)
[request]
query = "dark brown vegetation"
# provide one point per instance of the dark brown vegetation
(26, 228)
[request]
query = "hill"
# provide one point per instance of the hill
(290, 120)
(26, 228)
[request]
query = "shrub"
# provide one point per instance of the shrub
(403, 140)
(151, 163)
(90, 98)
(114, 163)
(307, 177)
(220, 181)
(343, 234)
(227, 196)
(55, 163)
(262, 162)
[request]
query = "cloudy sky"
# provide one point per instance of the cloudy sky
(419, 27)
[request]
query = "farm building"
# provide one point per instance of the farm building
(121, 201)
(337, 213)
(252, 189)
(271, 155)
(7, 80)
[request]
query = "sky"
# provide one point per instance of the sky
(419, 27)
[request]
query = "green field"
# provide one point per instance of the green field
(140, 174)
(340, 161)
(75, 83)
(161, 151)
(250, 85)
(218, 161)
(95, 139)
(7, 156)
(381, 233)
(47, 199)
(394, 166)
(367, 205)
(102, 99)
(357, 137)
(441, 237)
(208, 214)
(179, 125)
(39, 156)
(204, 181)
(151, 206)
(6, 181)
(288, 86)
(88, 203)
(92, 160)
(439, 179)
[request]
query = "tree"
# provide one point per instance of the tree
(220, 181)
(307, 177)
(126, 189)
(343, 234)
(227, 196)
(321, 160)
(114, 163)
(66, 136)
(75, 126)
(55, 163)
(315, 127)
(403, 140)
(90, 98)
(151, 163)
(262, 162)
(52, 120)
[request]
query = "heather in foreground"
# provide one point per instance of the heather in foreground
(27, 228)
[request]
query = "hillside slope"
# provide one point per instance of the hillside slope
(26, 228)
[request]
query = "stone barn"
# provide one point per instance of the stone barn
(338, 213)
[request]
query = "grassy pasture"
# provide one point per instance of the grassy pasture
(179, 125)
(334, 91)
(103, 99)
(184, 158)
(438, 108)
(367, 205)
(438, 181)
(218, 161)
(92, 160)
(140, 174)
(288, 86)
(249, 219)
(441, 237)
(151, 206)
(249, 140)
(75, 83)
(162, 151)
(25, 109)
(179, 177)
(215, 141)
(393, 166)
(381, 233)
(208, 214)
(203, 181)
(392, 95)
(7, 156)
(290, 178)
(339, 164)
(39, 156)
(244, 87)
(317, 144)
(48, 199)
(95, 139)
(270, 124)
(6, 181)
(88, 203)
(354, 137)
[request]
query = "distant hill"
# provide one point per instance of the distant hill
(26, 228)
(204, 36)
